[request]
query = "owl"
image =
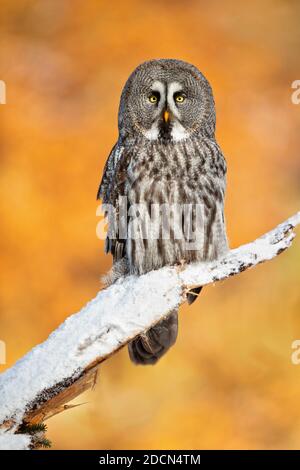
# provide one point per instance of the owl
(163, 184)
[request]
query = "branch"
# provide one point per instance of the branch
(40, 384)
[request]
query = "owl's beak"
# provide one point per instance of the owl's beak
(166, 116)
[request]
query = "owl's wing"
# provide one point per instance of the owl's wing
(104, 189)
(108, 191)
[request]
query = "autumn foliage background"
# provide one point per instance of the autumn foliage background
(229, 382)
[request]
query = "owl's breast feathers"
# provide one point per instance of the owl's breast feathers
(189, 174)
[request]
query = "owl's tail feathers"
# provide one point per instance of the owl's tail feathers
(193, 294)
(149, 347)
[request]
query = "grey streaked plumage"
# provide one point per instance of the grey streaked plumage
(155, 161)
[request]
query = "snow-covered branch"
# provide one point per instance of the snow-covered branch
(56, 371)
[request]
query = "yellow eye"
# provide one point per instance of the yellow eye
(179, 98)
(153, 99)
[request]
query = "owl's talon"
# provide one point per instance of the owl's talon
(180, 266)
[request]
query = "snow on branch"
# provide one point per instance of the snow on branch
(40, 384)
(11, 441)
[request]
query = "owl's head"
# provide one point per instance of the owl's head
(167, 100)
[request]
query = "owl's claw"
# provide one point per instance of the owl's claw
(180, 265)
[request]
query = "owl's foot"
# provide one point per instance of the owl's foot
(180, 265)
(192, 294)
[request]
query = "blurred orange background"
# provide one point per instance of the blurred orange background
(229, 382)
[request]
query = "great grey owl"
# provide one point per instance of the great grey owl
(166, 162)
